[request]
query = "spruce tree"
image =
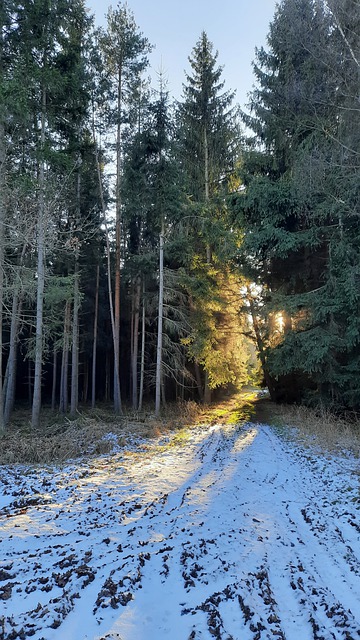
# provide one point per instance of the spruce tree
(300, 243)
(125, 50)
(39, 37)
(208, 147)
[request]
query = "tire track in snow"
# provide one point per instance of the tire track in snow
(234, 536)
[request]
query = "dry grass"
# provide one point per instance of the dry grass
(60, 439)
(319, 428)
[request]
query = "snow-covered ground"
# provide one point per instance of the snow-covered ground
(228, 532)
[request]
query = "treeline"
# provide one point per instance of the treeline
(300, 205)
(116, 248)
(144, 242)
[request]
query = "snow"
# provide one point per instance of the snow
(228, 532)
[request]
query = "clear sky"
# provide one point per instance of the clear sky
(235, 27)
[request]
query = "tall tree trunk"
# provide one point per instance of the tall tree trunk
(63, 404)
(85, 389)
(260, 346)
(132, 320)
(163, 394)
(74, 396)
(198, 381)
(54, 381)
(76, 307)
(207, 390)
(96, 313)
(142, 357)
(107, 376)
(117, 396)
(10, 374)
(2, 224)
(135, 348)
(160, 325)
(11, 365)
(36, 405)
(2, 246)
(30, 373)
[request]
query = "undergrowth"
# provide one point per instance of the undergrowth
(313, 427)
(60, 439)
(96, 431)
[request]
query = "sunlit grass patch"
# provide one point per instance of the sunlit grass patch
(99, 431)
(92, 433)
(235, 409)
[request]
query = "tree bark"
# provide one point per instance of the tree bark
(198, 381)
(117, 396)
(85, 377)
(142, 357)
(10, 374)
(260, 347)
(54, 381)
(160, 325)
(135, 347)
(107, 376)
(2, 246)
(76, 307)
(63, 404)
(74, 396)
(2, 226)
(207, 390)
(36, 405)
(96, 313)
(117, 393)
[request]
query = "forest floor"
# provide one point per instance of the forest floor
(232, 529)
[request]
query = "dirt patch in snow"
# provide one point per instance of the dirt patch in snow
(230, 531)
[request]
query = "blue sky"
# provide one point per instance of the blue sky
(235, 27)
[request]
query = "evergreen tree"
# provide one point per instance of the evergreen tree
(152, 207)
(208, 148)
(125, 50)
(300, 243)
(36, 81)
(141, 238)
(5, 13)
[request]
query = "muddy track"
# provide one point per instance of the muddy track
(235, 535)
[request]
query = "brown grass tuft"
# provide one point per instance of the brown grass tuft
(315, 427)
(60, 439)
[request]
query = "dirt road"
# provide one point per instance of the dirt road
(225, 532)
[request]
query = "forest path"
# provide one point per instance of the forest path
(224, 531)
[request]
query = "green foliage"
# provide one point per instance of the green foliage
(208, 149)
(302, 198)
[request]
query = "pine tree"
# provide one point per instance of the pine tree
(299, 235)
(208, 151)
(138, 227)
(39, 37)
(125, 50)
(5, 12)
